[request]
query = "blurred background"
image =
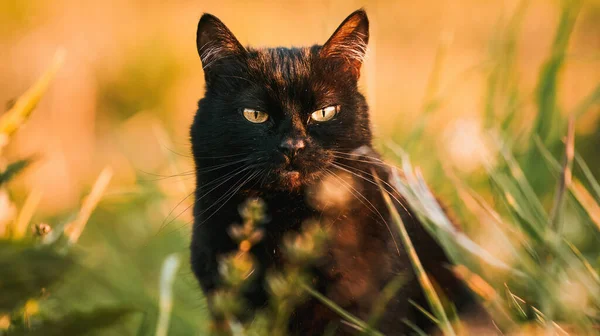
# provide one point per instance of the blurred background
(127, 92)
(132, 72)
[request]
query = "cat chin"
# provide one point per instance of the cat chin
(293, 180)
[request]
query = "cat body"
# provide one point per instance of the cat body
(283, 124)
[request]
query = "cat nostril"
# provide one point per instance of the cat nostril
(292, 146)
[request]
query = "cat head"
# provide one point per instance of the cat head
(280, 116)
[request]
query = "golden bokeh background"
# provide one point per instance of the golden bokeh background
(128, 89)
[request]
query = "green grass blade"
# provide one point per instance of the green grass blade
(554, 165)
(340, 311)
(516, 204)
(588, 175)
(167, 277)
(414, 327)
(13, 170)
(565, 178)
(586, 105)
(432, 297)
(546, 91)
(521, 181)
(480, 208)
(26, 103)
(588, 203)
(501, 84)
(387, 294)
(424, 312)
(421, 199)
(579, 192)
(584, 261)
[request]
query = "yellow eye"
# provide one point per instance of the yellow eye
(255, 116)
(325, 114)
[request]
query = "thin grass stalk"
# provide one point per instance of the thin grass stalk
(586, 105)
(546, 91)
(26, 103)
(565, 177)
(587, 201)
(74, 229)
(424, 311)
(421, 198)
(521, 181)
(502, 73)
(24, 218)
(479, 207)
(387, 294)
(570, 255)
(414, 327)
(588, 175)
(546, 154)
(167, 278)
(340, 311)
(584, 261)
(432, 297)
(579, 192)
(163, 138)
(490, 298)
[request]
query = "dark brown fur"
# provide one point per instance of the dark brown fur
(289, 84)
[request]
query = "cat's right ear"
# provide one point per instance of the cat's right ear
(348, 44)
(215, 41)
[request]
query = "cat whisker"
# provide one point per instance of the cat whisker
(264, 177)
(348, 170)
(220, 156)
(231, 192)
(229, 196)
(192, 173)
(227, 176)
(260, 177)
(223, 165)
(177, 153)
(222, 180)
(381, 164)
(357, 156)
(163, 225)
(161, 177)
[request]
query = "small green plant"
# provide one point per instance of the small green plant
(35, 258)
(285, 285)
(527, 246)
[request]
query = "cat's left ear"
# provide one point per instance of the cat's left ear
(349, 42)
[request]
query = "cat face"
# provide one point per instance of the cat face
(283, 113)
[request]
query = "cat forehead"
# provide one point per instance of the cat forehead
(283, 65)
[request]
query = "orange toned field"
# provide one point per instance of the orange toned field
(462, 86)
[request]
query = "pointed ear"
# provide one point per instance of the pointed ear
(349, 41)
(214, 41)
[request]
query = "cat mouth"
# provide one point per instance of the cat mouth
(291, 174)
(291, 178)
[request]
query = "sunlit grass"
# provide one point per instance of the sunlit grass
(524, 237)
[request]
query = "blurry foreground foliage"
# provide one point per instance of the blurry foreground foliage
(50, 284)
(527, 245)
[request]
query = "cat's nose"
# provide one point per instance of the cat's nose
(291, 146)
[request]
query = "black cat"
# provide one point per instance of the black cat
(280, 123)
